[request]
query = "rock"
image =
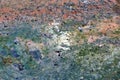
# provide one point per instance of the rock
(36, 54)
(80, 29)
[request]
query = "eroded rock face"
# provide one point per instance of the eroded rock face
(59, 40)
(118, 2)
(116, 8)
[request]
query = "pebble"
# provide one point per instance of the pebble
(36, 54)
(80, 29)
(14, 53)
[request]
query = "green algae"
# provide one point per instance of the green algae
(90, 49)
(30, 64)
(26, 31)
(67, 66)
(4, 40)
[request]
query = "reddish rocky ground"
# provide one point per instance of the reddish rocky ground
(48, 9)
